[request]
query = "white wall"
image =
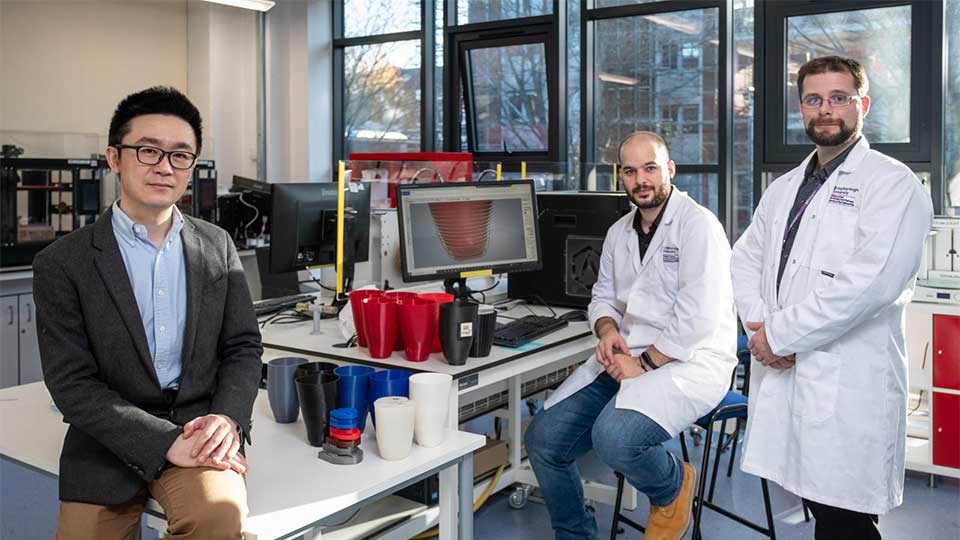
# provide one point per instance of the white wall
(299, 52)
(222, 82)
(66, 65)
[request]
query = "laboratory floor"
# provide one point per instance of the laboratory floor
(926, 514)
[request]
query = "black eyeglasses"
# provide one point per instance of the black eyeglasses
(151, 155)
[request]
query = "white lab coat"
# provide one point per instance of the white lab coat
(679, 298)
(832, 428)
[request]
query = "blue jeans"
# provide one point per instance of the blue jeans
(626, 440)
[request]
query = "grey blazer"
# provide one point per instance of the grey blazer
(97, 365)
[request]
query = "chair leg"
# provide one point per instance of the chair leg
(683, 448)
(716, 459)
(702, 483)
(616, 508)
(767, 510)
(733, 451)
(806, 512)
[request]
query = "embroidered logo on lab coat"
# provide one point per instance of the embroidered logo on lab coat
(847, 197)
(671, 254)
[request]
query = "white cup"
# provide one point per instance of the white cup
(395, 419)
(430, 394)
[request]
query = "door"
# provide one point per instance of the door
(9, 342)
(946, 351)
(30, 370)
(946, 429)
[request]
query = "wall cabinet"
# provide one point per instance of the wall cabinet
(19, 350)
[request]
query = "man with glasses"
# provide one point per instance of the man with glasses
(149, 344)
(662, 309)
(822, 277)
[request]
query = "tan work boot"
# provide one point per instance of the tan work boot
(671, 522)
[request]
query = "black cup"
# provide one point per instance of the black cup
(311, 368)
(483, 328)
(456, 330)
(318, 396)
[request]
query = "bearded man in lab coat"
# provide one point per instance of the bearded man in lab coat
(663, 311)
(822, 277)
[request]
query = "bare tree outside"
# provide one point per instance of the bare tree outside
(381, 81)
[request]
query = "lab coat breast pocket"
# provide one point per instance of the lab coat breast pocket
(837, 237)
(816, 386)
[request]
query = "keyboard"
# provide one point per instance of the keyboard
(273, 305)
(526, 329)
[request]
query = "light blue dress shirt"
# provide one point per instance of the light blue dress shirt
(159, 280)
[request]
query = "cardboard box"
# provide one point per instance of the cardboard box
(485, 460)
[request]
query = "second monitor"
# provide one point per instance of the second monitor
(450, 230)
(305, 225)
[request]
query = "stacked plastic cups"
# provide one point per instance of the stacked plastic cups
(398, 320)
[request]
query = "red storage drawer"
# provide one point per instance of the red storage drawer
(946, 429)
(946, 351)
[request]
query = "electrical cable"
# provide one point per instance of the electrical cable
(546, 305)
(923, 365)
(246, 231)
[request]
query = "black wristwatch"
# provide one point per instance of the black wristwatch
(645, 358)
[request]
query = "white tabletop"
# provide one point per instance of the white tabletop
(297, 338)
(289, 488)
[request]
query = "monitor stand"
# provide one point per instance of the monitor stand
(457, 287)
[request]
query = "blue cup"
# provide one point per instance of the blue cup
(354, 390)
(389, 382)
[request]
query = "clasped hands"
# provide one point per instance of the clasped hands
(614, 355)
(760, 349)
(209, 441)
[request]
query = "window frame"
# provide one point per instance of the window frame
(775, 47)
(425, 34)
(924, 152)
(460, 40)
(723, 168)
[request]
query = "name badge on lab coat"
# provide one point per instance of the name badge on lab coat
(671, 254)
(846, 197)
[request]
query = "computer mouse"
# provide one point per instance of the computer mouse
(575, 315)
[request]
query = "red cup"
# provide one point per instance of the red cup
(356, 299)
(418, 324)
(380, 325)
(400, 295)
(438, 298)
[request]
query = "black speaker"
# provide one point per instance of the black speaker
(573, 226)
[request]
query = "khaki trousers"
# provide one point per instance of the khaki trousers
(200, 502)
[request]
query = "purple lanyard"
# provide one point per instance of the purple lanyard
(796, 219)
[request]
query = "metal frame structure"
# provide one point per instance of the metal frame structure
(924, 152)
(724, 166)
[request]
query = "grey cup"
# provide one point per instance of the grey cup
(281, 389)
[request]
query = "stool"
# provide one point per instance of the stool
(733, 406)
(619, 516)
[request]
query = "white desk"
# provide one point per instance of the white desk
(290, 491)
(504, 369)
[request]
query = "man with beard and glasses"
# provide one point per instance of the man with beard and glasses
(822, 277)
(663, 311)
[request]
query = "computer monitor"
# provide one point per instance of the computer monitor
(305, 225)
(450, 230)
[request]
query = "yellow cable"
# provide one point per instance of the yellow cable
(476, 506)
